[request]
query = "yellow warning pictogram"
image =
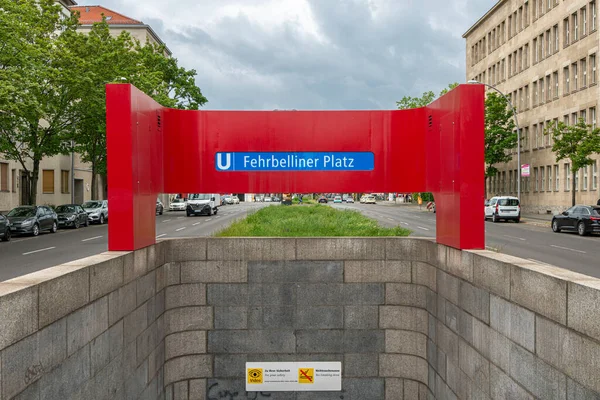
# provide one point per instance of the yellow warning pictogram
(255, 375)
(306, 375)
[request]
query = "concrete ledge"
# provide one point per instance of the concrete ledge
(340, 248)
(251, 249)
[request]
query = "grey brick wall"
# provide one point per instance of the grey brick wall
(408, 319)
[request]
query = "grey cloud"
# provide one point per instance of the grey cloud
(364, 63)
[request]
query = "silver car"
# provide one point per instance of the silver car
(97, 211)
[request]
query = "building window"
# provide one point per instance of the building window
(548, 88)
(593, 117)
(542, 179)
(593, 12)
(14, 180)
(64, 181)
(535, 135)
(593, 69)
(595, 175)
(566, 78)
(555, 79)
(583, 69)
(557, 178)
(48, 181)
(575, 24)
(535, 177)
(535, 50)
(543, 90)
(525, 138)
(583, 116)
(585, 178)
(535, 94)
(549, 169)
(567, 34)
(575, 74)
(556, 42)
(567, 178)
(3, 177)
(574, 119)
(583, 17)
(577, 180)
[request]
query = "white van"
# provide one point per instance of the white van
(202, 204)
(503, 207)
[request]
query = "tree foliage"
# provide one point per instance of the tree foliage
(575, 143)
(500, 135)
(427, 97)
(37, 86)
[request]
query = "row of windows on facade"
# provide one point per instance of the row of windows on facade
(47, 180)
(546, 179)
(575, 27)
(576, 76)
(539, 137)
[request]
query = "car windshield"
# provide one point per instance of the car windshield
(196, 196)
(508, 202)
(65, 209)
(177, 201)
(92, 204)
(22, 212)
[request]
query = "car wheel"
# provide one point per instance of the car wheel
(54, 227)
(87, 223)
(6, 237)
(494, 218)
(210, 212)
(35, 230)
(187, 213)
(555, 227)
(518, 220)
(161, 212)
(101, 219)
(216, 211)
(581, 229)
(77, 224)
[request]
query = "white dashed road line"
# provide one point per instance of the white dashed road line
(166, 220)
(514, 237)
(37, 251)
(159, 236)
(179, 229)
(92, 238)
(567, 248)
(425, 229)
(391, 219)
(196, 223)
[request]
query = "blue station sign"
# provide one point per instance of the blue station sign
(295, 161)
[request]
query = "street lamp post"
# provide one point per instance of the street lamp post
(518, 132)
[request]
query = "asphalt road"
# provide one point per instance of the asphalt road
(536, 243)
(23, 255)
(525, 240)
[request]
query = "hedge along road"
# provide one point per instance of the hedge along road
(25, 254)
(528, 241)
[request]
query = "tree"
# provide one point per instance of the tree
(108, 59)
(427, 97)
(37, 84)
(575, 143)
(500, 135)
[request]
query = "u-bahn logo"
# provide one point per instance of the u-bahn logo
(223, 165)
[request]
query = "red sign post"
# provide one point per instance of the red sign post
(438, 148)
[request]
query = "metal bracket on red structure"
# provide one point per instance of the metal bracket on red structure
(438, 148)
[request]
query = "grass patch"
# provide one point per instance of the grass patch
(314, 220)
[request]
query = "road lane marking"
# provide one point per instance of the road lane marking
(159, 236)
(179, 229)
(514, 237)
(567, 248)
(166, 220)
(391, 219)
(37, 251)
(208, 219)
(179, 218)
(196, 223)
(92, 238)
(538, 261)
(425, 229)
(405, 223)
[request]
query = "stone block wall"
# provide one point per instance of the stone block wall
(408, 319)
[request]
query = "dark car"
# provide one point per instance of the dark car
(32, 220)
(580, 219)
(322, 199)
(71, 216)
(159, 207)
(4, 228)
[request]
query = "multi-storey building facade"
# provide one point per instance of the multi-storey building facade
(543, 54)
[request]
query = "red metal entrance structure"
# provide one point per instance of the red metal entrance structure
(438, 148)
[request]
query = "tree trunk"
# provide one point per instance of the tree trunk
(35, 173)
(573, 187)
(105, 186)
(485, 182)
(94, 182)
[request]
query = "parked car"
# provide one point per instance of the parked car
(203, 204)
(32, 220)
(97, 211)
(275, 199)
(337, 199)
(4, 228)
(349, 199)
(322, 199)
(580, 219)
(503, 207)
(267, 199)
(159, 207)
(370, 200)
(226, 200)
(71, 215)
(235, 200)
(177, 204)
(362, 199)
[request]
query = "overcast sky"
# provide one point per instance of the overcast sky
(312, 54)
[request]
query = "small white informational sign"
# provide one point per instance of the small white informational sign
(293, 376)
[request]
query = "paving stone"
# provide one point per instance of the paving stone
(340, 248)
(377, 271)
(214, 271)
(364, 293)
(295, 271)
(394, 389)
